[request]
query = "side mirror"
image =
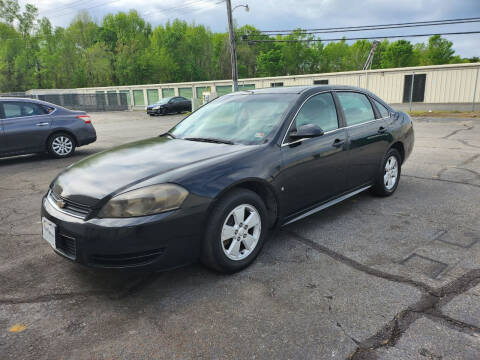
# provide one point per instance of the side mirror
(306, 131)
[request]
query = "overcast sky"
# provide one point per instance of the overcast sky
(288, 14)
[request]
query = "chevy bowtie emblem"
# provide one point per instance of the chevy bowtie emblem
(61, 204)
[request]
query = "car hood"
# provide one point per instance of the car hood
(155, 105)
(111, 171)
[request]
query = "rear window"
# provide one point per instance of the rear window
(382, 109)
(47, 109)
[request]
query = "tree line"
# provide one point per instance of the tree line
(124, 49)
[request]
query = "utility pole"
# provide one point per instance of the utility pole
(233, 49)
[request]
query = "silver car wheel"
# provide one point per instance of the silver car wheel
(241, 231)
(62, 145)
(390, 173)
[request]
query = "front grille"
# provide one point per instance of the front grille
(70, 207)
(67, 245)
(139, 258)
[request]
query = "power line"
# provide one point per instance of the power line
(364, 38)
(65, 7)
(174, 8)
(87, 8)
(308, 32)
(345, 28)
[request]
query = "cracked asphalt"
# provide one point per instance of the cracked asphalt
(371, 278)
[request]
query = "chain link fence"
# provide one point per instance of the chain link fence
(84, 102)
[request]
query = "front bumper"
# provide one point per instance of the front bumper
(152, 111)
(156, 242)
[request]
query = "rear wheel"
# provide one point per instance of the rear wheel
(61, 145)
(235, 233)
(389, 174)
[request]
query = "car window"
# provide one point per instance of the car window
(12, 110)
(47, 109)
(318, 110)
(382, 109)
(29, 109)
(356, 107)
(22, 109)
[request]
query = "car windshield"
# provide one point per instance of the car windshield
(242, 118)
(163, 101)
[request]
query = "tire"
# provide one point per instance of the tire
(224, 220)
(61, 145)
(389, 174)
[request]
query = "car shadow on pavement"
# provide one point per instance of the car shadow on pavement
(35, 158)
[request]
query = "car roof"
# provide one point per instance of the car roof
(300, 89)
(27, 100)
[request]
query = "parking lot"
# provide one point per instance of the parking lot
(370, 278)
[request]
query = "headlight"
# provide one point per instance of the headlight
(144, 201)
(156, 107)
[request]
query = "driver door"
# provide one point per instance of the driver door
(313, 170)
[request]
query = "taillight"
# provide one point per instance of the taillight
(85, 118)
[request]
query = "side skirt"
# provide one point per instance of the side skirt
(328, 204)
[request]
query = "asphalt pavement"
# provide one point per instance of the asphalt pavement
(370, 278)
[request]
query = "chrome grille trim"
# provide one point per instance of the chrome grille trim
(71, 208)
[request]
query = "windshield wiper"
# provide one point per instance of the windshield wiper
(169, 134)
(210, 140)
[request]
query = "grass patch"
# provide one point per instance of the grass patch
(445, 114)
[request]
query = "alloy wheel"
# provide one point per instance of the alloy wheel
(241, 231)
(390, 173)
(62, 145)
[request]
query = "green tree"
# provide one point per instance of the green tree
(270, 63)
(336, 56)
(122, 49)
(358, 54)
(439, 51)
(398, 54)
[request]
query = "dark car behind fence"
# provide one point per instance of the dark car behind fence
(84, 102)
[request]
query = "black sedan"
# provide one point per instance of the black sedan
(215, 185)
(32, 126)
(170, 105)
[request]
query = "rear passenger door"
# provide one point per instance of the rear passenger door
(368, 137)
(26, 126)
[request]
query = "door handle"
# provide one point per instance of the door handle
(381, 130)
(43, 124)
(338, 142)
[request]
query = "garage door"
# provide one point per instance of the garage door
(185, 92)
(168, 92)
(223, 90)
(152, 96)
(200, 90)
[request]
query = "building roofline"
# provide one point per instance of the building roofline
(274, 78)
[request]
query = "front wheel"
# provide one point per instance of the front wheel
(61, 145)
(389, 174)
(235, 233)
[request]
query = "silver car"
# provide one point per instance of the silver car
(33, 126)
